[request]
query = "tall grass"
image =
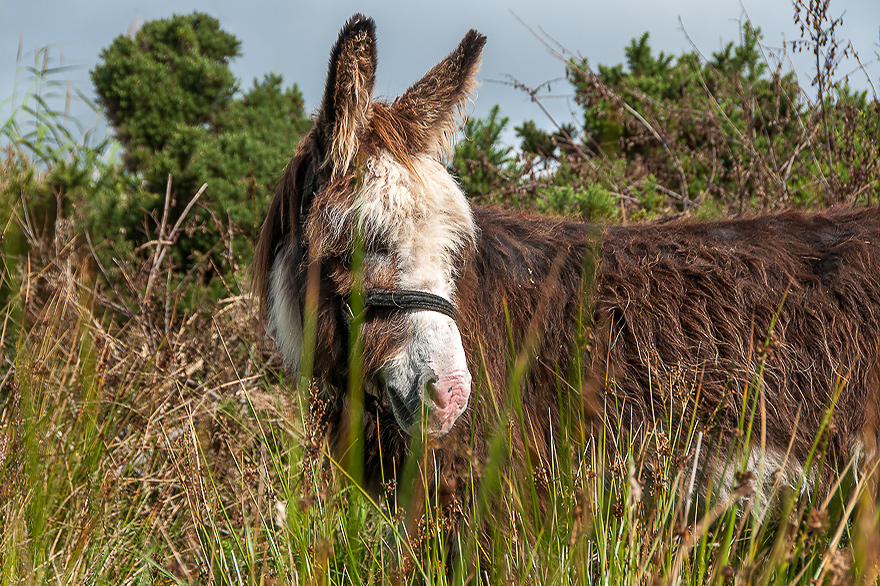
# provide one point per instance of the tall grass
(38, 119)
(140, 451)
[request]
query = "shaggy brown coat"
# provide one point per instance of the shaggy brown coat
(686, 316)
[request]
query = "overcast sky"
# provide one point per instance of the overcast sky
(293, 38)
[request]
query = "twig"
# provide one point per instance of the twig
(172, 236)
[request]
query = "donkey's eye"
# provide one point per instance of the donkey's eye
(380, 250)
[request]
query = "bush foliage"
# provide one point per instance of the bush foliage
(175, 107)
(664, 135)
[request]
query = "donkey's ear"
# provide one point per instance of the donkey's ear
(345, 108)
(435, 104)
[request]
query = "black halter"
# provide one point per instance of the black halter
(402, 300)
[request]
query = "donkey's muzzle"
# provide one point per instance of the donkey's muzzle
(430, 403)
(406, 400)
(428, 382)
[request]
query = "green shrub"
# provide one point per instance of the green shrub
(591, 202)
(481, 162)
(175, 108)
(683, 134)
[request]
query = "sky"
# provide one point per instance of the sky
(294, 38)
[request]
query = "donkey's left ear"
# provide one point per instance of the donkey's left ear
(345, 108)
(435, 104)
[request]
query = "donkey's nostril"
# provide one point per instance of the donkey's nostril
(429, 387)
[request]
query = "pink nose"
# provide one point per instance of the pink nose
(449, 394)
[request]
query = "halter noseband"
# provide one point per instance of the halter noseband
(403, 300)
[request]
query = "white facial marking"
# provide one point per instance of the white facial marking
(452, 388)
(424, 219)
(422, 216)
(285, 318)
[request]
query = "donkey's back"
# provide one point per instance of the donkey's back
(778, 313)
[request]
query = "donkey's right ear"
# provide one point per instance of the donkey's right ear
(345, 108)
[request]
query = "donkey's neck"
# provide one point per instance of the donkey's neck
(524, 279)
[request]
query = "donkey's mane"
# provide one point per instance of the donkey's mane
(281, 218)
(397, 135)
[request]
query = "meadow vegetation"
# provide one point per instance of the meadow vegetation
(148, 434)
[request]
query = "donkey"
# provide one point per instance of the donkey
(697, 317)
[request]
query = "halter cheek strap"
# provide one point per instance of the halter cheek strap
(403, 300)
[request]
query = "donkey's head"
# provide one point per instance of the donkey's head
(370, 176)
